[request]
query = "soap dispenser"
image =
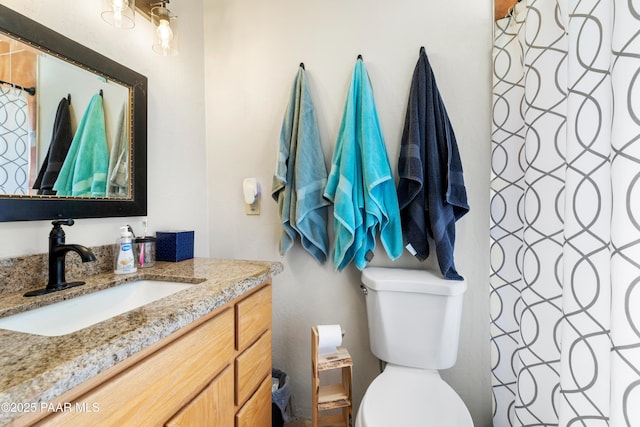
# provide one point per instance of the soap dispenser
(124, 260)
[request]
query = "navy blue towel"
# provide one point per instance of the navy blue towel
(431, 190)
(61, 138)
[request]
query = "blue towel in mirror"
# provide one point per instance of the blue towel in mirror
(61, 138)
(84, 171)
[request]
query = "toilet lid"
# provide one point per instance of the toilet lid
(409, 397)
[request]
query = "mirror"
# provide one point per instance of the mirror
(64, 91)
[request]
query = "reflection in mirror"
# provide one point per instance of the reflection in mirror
(18, 109)
(72, 128)
(39, 125)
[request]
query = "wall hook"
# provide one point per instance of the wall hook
(360, 57)
(302, 65)
(69, 98)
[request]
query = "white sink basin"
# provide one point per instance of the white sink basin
(71, 315)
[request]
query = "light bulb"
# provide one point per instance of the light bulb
(165, 34)
(118, 13)
(118, 6)
(165, 31)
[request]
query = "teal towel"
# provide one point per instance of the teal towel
(360, 183)
(301, 176)
(344, 189)
(84, 171)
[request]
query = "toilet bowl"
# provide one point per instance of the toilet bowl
(414, 325)
(411, 397)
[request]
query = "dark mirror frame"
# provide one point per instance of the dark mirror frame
(25, 208)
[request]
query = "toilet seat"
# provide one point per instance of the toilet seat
(410, 397)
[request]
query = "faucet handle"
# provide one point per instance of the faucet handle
(57, 233)
(58, 222)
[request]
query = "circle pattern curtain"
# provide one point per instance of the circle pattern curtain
(565, 215)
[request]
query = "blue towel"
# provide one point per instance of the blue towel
(344, 190)
(361, 182)
(61, 138)
(84, 172)
(301, 176)
(431, 189)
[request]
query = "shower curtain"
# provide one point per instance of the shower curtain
(565, 215)
(14, 142)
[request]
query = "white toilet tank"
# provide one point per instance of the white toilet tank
(414, 316)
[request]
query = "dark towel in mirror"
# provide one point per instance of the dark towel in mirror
(61, 138)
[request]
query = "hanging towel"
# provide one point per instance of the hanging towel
(58, 147)
(360, 183)
(301, 176)
(84, 172)
(344, 190)
(431, 190)
(118, 176)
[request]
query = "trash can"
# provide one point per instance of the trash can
(280, 397)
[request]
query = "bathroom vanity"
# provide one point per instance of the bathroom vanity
(203, 353)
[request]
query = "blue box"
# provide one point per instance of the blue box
(174, 245)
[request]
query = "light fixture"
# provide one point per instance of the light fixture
(119, 13)
(165, 29)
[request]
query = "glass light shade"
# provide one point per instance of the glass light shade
(165, 31)
(119, 13)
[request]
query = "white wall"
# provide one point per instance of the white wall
(176, 159)
(252, 51)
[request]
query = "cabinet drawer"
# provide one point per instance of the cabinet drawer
(253, 317)
(155, 389)
(257, 411)
(252, 366)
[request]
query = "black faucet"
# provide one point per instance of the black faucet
(57, 252)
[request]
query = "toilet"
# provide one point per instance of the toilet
(414, 325)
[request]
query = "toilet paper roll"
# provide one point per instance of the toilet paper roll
(329, 338)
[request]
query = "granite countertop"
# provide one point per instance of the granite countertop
(35, 369)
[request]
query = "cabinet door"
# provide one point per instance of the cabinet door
(157, 387)
(212, 407)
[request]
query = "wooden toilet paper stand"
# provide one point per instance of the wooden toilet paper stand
(334, 400)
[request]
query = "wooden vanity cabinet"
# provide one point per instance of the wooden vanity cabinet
(212, 407)
(253, 360)
(216, 372)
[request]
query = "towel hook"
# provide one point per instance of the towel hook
(360, 57)
(101, 93)
(69, 98)
(302, 65)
